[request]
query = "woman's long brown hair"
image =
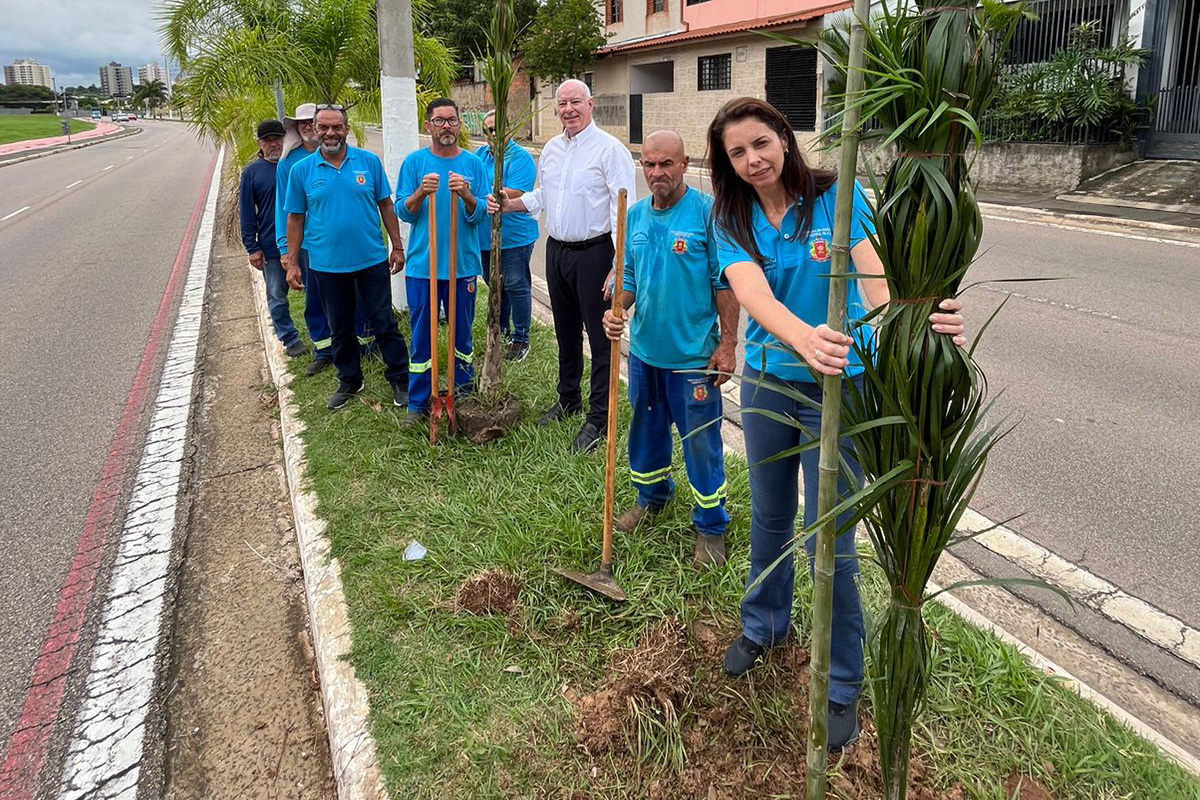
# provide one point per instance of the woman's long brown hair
(734, 199)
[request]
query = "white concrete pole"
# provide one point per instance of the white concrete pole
(398, 99)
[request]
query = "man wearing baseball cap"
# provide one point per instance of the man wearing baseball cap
(258, 214)
(299, 142)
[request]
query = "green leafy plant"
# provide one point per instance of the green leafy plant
(563, 39)
(1078, 95)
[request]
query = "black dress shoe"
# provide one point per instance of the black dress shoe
(843, 725)
(741, 656)
(557, 412)
(343, 395)
(587, 438)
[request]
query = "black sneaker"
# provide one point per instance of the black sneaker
(843, 725)
(399, 395)
(588, 437)
(741, 657)
(345, 392)
(296, 350)
(517, 351)
(319, 364)
(556, 412)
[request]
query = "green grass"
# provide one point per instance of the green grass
(36, 126)
(452, 721)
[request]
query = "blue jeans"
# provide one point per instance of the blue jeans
(516, 300)
(766, 611)
(277, 302)
(660, 397)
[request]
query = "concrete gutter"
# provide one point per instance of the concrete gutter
(344, 697)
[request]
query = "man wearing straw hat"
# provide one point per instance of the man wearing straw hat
(453, 179)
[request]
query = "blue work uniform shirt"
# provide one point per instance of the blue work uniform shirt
(256, 207)
(671, 269)
(520, 172)
(416, 166)
(797, 274)
(341, 208)
(282, 171)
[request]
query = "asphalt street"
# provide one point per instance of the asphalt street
(87, 241)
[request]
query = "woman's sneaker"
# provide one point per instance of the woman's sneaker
(517, 351)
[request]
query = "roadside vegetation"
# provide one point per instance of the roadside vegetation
(15, 128)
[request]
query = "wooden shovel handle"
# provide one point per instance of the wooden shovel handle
(434, 396)
(614, 380)
(451, 352)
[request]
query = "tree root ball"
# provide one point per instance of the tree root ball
(481, 423)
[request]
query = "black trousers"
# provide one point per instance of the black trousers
(341, 293)
(575, 276)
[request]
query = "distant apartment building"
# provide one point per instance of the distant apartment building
(115, 80)
(27, 72)
(151, 72)
(673, 63)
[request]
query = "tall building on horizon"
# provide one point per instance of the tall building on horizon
(154, 72)
(115, 80)
(28, 72)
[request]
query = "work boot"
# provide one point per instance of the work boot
(843, 725)
(709, 550)
(414, 417)
(556, 412)
(741, 657)
(629, 520)
(295, 350)
(318, 364)
(344, 394)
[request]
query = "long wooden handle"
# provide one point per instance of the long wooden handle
(614, 380)
(452, 256)
(434, 399)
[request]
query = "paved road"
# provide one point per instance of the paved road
(82, 273)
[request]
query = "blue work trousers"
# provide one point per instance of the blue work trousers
(317, 320)
(277, 302)
(421, 362)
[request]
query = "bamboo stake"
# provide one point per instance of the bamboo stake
(816, 777)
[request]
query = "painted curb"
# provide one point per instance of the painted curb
(64, 148)
(344, 696)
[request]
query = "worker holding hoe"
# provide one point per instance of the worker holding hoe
(683, 336)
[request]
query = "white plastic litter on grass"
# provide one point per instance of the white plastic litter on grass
(415, 551)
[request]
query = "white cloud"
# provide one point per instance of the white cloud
(75, 37)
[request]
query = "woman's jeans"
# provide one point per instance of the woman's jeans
(766, 611)
(516, 300)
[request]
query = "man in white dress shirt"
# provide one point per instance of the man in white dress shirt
(579, 175)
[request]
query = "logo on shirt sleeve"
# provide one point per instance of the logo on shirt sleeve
(819, 250)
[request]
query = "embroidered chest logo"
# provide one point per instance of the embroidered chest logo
(680, 245)
(700, 392)
(361, 180)
(819, 250)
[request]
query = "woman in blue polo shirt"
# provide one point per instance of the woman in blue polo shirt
(774, 230)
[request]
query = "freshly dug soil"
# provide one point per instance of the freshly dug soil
(492, 592)
(1023, 787)
(733, 750)
(481, 423)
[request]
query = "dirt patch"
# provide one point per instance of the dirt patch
(1024, 787)
(492, 592)
(739, 738)
(482, 423)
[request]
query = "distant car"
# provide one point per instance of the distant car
(120, 116)
(95, 113)
(132, 117)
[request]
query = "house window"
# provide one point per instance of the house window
(587, 79)
(792, 84)
(713, 72)
(656, 6)
(614, 11)
(696, 2)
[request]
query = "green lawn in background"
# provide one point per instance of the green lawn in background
(18, 128)
(474, 707)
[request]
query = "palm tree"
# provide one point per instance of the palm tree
(150, 95)
(319, 50)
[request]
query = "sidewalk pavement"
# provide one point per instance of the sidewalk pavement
(101, 129)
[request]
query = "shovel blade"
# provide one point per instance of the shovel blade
(601, 581)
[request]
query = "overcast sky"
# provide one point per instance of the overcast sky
(75, 37)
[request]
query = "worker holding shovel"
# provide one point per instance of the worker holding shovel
(682, 346)
(447, 180)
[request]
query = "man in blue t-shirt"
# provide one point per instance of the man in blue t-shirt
(256, 206)
(336, 199)
(682, 346)
(518, 233)
(456, 177)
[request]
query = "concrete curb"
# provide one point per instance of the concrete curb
(352, 748)
(112, 137)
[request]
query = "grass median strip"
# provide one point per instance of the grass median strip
(491, 677)
(36, 126)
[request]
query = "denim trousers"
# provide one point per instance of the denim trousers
(516, 299)
(277, 302)
(766, 610)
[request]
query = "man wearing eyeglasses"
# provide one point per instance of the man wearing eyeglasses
(456, 178)
(518, 233)
(299, 142)
(336, 199)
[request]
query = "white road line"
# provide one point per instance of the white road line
(106, 169)
(1152, 624)
(1079, 229)
(104, 755)
(128, 157)
(73, 185)
(13, 214)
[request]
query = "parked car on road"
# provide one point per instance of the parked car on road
(95, 113)
(120, 116)
(132, 117)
